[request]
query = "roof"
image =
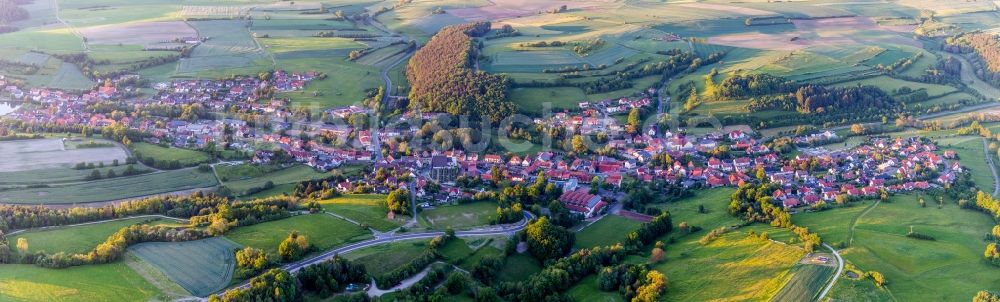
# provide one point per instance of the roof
(580, 198)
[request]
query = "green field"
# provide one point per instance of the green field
(534, 99)
(833, 225)
(518, 267)
(101, 282)
(458, 216)
(53, 176)
(946, 269)
(970, 153)
(891, 84)
(113, 189)
(364, 209)
(229, 50)
(848, 289)
(468, 262)
(587, 290)
(186, 157)
(79, 239)
(347, 82)
(201, 267)
(609, 230)
(753, 269)
(387, 257)
(291, 175)
(322, 230)
(806, 283)
(68, 76)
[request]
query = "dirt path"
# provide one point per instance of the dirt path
(854, 222)
(374, 291)
(71, 29)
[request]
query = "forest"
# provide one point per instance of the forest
(986, 61)
(442, 81)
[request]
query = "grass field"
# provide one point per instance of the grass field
(323, 231)
(364, 209)
(470, 261)
(891, 84)
(69, 77)
(101, 282)
(946, 269)
(533, 61)
(609, 230)
(79, 239)
(228, 172)
(230, 49)
(455, 250)
(753, 269)
(289, 175)
(715, 201)
(519, 267)
(347, 82)
(806, 283)
(57, 175)
(113, 189)
(848, 289)
(186, 157)
(201, 267)
(534, 99)
(387, 257)
(833, 225)
(458, 216)
(970, 153)
(587, 290)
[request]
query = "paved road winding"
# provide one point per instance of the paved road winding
(840, 269)
(494, 231)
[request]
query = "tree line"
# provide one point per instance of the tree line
(13, 217)
(213, 220)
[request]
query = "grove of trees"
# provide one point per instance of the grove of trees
(442, 81)
(547, 241)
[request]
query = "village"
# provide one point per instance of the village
(807, 179)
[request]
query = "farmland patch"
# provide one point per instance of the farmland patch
(112, 189)
(23, 155)
(140, 33)
(201, 267)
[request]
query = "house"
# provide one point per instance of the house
(345, 187)
(737, 134)
(581, 201)
(791, 203)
